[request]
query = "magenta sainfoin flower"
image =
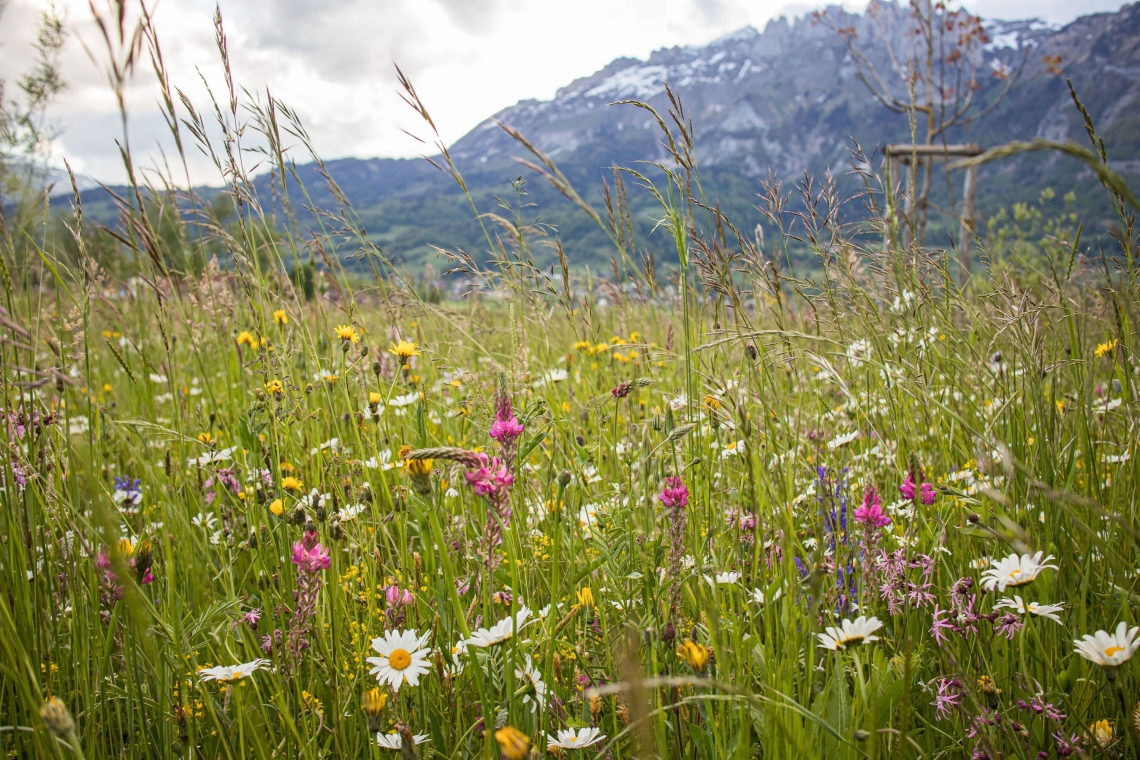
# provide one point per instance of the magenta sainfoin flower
(509, 428)
(871, 512)
(310, 558)
(309, 555)
(396, 596)
(910, 488)
(674, 493)
(506, 428)
(491, 481)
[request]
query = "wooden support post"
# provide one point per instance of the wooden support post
(966, 228)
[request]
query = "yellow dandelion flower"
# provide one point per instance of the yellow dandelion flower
(418, 468)
(276, 507)
(581, 345)
(280, 317)
(696, 655)
(374, 398)
(585, 597)
(245, 337)
(290, 483)
(712, 402)
(205, 437)
(374, 702)
(514, 744)
(286, 467)
(347, 333)
(405, 350)
(1103, 349)
(331, 377)
(274, 387)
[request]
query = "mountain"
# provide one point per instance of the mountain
(787, 100)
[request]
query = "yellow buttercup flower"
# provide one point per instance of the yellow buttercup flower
(347, 333)
(405, 350)
(280, 317)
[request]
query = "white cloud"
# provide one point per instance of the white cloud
(332, 61)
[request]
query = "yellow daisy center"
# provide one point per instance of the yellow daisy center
(1111, 651)
(1014, 573)
(399, 659)
(572, 739)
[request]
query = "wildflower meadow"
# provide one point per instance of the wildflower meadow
(264, 497)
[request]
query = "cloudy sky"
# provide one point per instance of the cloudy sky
(332, 60)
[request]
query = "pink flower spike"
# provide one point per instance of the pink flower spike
(309, 556)
(674, 493)
(506, 430)
(871, 512)
(907, 488)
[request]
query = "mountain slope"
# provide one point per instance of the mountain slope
(786, 100)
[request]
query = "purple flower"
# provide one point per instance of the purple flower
(308, 554)
(948, 698)
(1008, 625)
(250, 618)
(871, 513)
(674, 493)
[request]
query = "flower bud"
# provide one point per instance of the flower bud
(57, 717)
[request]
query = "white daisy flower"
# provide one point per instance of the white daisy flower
(571, 738)
(732, 449)
(332, 443)
(403, 657)
(1014, 571)
(857, 631)
(405, 400)
(382, 460)
(349, 512)
(530, 672)
(231, 672)
(727, 578)
(1033, 608)
(842, 440)
(394, 741)
(500, 631)
(213, 456)
(458, 657)
(1110, 650)
(758, 595)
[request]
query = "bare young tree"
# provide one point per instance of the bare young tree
(25, 135)
(931, 74)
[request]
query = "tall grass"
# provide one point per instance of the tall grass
(174, 436)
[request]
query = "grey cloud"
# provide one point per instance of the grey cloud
(472, 15)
